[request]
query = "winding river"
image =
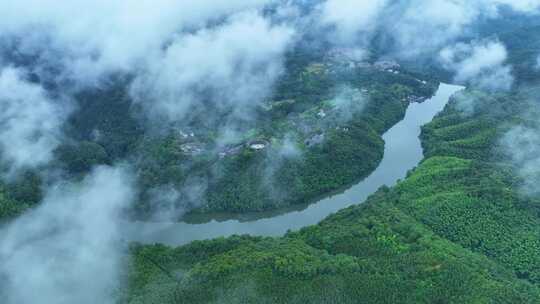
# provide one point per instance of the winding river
(403, 151)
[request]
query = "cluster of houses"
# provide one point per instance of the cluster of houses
(189, 144)
(253, 145)
(338, 58)
(387, 65)
(192, 148)
(415, 99)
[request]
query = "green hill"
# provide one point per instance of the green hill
(454, 231)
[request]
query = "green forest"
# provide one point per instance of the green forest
(456, 230)
(321, 130)
(333, 146)
(269, 152)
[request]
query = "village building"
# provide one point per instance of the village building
(387, 65)
(258, 145)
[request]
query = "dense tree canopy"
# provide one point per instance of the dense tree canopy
(455, 230)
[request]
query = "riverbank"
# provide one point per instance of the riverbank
(403, 152)
(455, 230)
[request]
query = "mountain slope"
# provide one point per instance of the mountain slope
(454, 231)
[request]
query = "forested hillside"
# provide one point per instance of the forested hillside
(456, 230)
(269, 151)
(319, 131)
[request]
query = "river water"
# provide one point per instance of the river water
(403, 151)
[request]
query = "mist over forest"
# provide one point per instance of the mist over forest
(117, 113)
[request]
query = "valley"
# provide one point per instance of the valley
(269, 151)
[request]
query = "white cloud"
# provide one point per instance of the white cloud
(91, 38)
(175, 50)
(68, 250)
(522, 144)
(30, 121)
(233, 64)
(351, 17)
(525, 6)
(481, 63)
(416, 26)
(424, 26)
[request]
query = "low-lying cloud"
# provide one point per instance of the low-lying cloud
(110, 36)
(522, 144)
(351, 19)
(182, 58)
(415, 27)
(480, 63)
(234, 64)
(67, 250)
(30, 122)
